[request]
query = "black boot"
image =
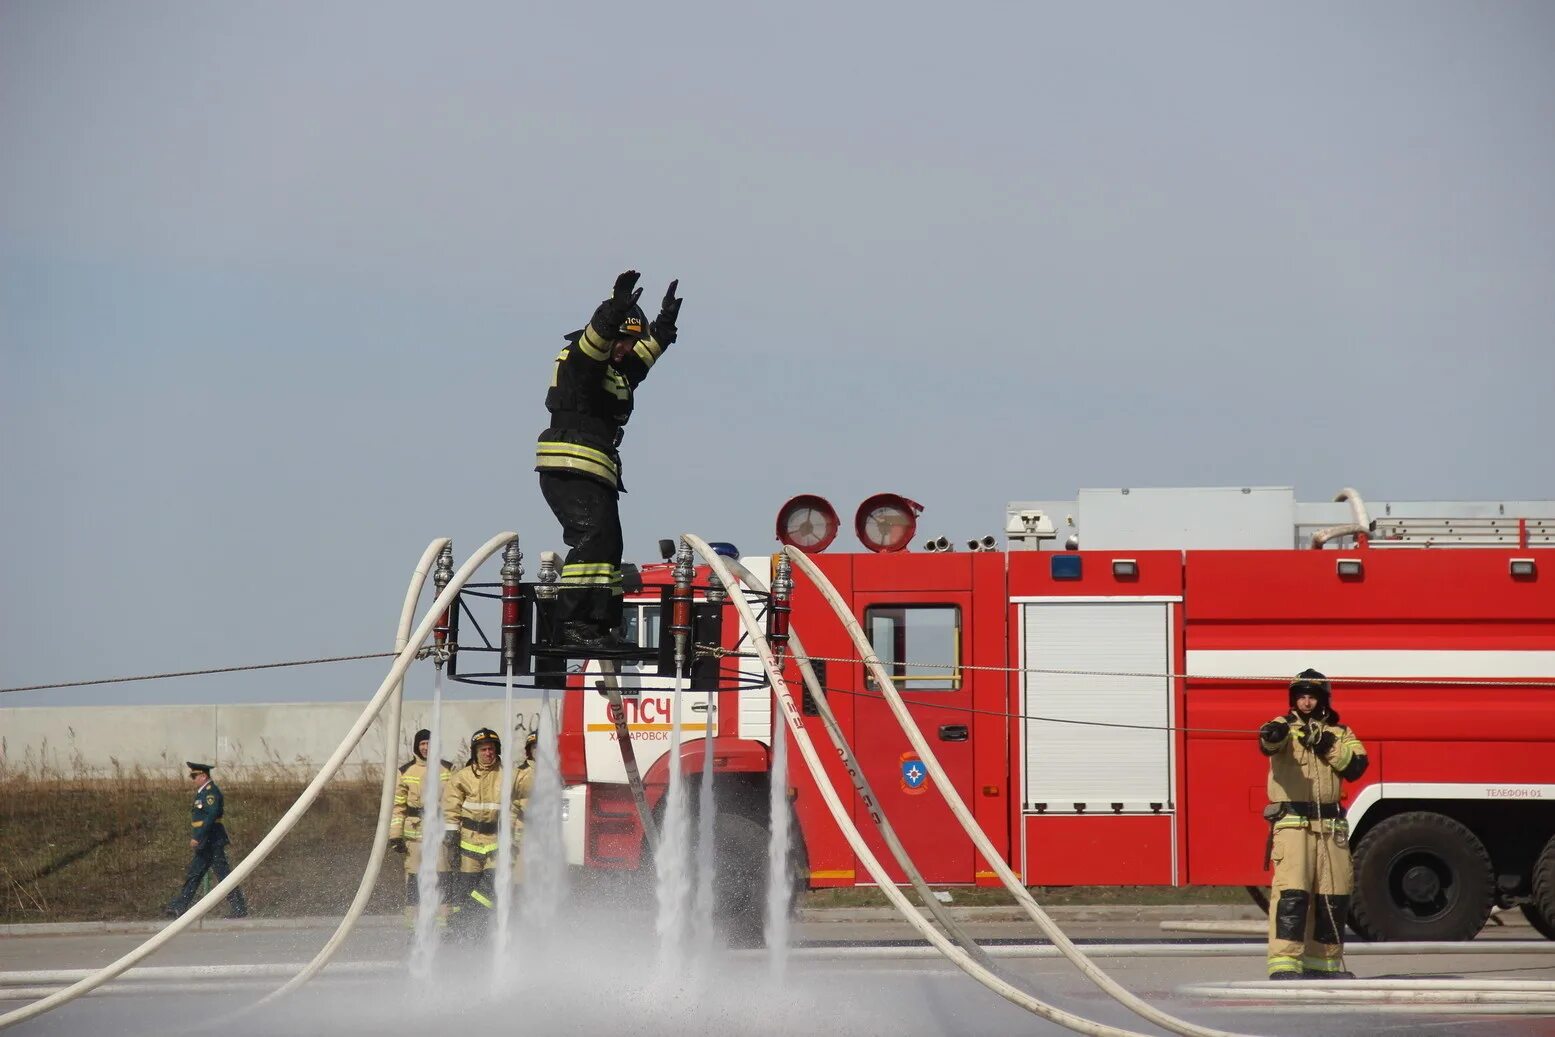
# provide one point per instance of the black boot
(588, 640)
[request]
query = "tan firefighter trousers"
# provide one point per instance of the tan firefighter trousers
(1310, 898)
(412, 883)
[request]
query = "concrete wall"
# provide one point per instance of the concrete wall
(280, 739)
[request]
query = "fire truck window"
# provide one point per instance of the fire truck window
(919, 645)
(640, 625)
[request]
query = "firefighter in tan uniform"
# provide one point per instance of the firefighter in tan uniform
(472, 805)
(1310, 752)
(405, 828)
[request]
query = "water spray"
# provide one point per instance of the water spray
(777, 923)
(779, 891)
(391, 748)
(512, 629)
(672, 863)
(855, 839)
(288, 821)
(429, 890)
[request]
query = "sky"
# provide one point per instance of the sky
(281, 284)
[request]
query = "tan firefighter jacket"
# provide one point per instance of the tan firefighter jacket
(472, 801)
(405, 823)
(523, 785)
(1299, 778)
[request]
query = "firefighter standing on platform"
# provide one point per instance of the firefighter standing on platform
(405, 828)
(208, 839)
(1309, 752)
(590, 400)
(472, 806)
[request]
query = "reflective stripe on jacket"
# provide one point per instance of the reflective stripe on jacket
(472, 802)
(1299, 775)
(405, 822)
(591, 400)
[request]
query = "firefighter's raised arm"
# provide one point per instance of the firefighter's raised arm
(663, 326)
(598, 339)
(645, 352)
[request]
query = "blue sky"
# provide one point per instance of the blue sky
(280, 285)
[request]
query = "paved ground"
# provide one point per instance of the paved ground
(601, 975)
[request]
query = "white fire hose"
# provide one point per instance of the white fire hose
(986, 848)
(293, 814)
(867, 796)
(960, 958)
(391, 746)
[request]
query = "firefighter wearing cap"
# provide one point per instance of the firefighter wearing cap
(590, 401)
(472, 806)
(208, 839)
(1310, 753)
(405, 827)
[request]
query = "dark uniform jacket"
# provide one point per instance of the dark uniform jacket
(205, 817)
(590, 400)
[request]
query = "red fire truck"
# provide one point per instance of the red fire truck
(1094, 690)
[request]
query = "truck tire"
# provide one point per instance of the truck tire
(1421, 876)
(740, 883)
(1540, 909)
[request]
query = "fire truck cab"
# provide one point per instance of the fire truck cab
(1095, 688)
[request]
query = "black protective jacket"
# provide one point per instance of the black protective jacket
(590, 400)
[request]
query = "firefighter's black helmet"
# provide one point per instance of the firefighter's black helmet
(530, 742)
(634, 326)
(484, 734)
(1311, 682)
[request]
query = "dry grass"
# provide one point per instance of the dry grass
(91, 849)
(74, 849)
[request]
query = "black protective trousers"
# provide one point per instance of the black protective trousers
(210, 857)
(590, 516)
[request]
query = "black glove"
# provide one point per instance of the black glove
(1324, 743)
(1275, 730)
(663, 326)
(613, 311)
(451, 840)
(397, 844)
(1306, 733)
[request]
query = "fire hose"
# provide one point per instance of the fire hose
(960, 958)
(986, 848)
(391, 742)
(867, 795)
(293, 814)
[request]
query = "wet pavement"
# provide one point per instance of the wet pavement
(601, 975)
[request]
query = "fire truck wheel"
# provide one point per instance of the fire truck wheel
(1540, 909)
(741, 879)
(1421, 876)
(1539, 920)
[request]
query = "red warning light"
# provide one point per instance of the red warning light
(808, 522)
(887, 522)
